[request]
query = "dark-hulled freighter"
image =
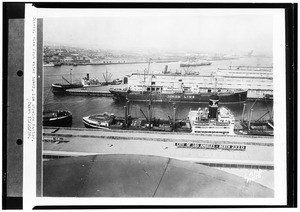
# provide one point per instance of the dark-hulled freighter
(171, 94)
(176, 95)
(175, 87)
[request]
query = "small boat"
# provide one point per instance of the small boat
(48, 64)
(212, 120)
(57, 64)
(58, 118)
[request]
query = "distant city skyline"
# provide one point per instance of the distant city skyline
(222, 33)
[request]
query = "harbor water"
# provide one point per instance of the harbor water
(81, 106)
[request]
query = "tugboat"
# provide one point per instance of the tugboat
(212, 120)
(59, 118)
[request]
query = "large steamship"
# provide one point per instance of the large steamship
(212, 120)
(177, 95)
(175, 88)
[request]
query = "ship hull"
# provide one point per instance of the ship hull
(226, 97)
(88, 124)
(60, 89)
(140, 125)
(59, 121)
(196, 64)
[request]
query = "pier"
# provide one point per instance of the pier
(258, 152)
(79, 92)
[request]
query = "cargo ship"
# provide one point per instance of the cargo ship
(259, 84)
(105, 121)
(173, 95)
(179, 94)
(60, 89)
(175, 88)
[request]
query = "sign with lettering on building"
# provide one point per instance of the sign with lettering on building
(211, 146)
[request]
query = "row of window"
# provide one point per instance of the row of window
(191, 84)
(210, 132)
(218, 127)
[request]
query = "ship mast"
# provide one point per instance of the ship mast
(215, 84)
(150, 96)
(174, 116)
(71, 75)
(215, 81)
(149, 65)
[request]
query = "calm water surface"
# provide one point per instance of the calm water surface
(81, 106)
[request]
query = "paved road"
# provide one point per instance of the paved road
(259, 151)
(161, 136)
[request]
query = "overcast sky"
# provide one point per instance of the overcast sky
(207, 33)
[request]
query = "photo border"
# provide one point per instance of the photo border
(291, 92)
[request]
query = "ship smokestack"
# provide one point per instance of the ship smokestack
(213, 106)
(88, 76)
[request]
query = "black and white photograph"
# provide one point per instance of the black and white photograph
(161, 104)
(176, 104)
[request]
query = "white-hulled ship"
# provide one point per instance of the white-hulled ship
(212, 120)
(195, 63)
